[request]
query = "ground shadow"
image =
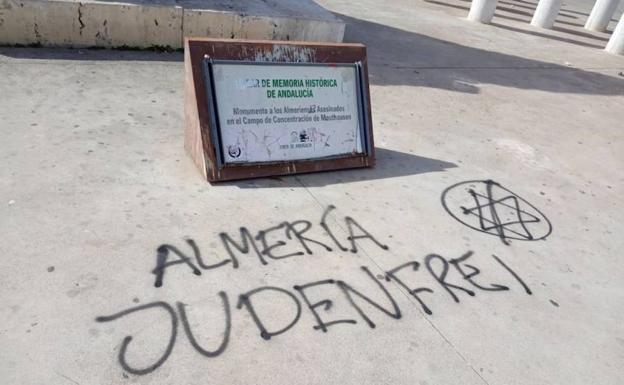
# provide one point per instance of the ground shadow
(564, 9)
(530, 14)
(562, 12)
(389, 164)
(580, 33)
(527, 19)
(546, 36)
(467, 8)
(399, 57)
(92, 54)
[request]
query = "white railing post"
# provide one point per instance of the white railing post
(616, 43)
(482, 11)
(546, 13)
(601, 14)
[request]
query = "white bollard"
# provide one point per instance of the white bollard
(482, 11)
(601, 14)
(546, 13)
(616, 43)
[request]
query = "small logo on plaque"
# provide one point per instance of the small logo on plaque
(234, 151)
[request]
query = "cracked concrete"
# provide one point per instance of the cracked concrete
(162, 23)
(80, 19)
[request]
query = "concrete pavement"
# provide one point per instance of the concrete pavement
(97, 195)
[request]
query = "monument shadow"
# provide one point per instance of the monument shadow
(389, 164)
(399, 57)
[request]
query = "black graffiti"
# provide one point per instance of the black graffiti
(351, 225)
(350, 292)
(163, 262)
(488, 207)
(226, 333)
(285, 240)
(243, 300)
(441, 276)
(460, 265)
(437, 267)
(247, 240)
(291, 228)
(391, 275)
(327, 229)
(513, 273)
(126, 341)
(326, 303)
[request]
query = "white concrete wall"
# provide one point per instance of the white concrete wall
(114, 25)
(232, 25)
(105, 24)
(38, 22)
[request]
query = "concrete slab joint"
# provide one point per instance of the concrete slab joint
(162, 23)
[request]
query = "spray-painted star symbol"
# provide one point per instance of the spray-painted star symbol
(500, 212)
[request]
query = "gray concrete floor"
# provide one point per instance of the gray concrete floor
(94, 180)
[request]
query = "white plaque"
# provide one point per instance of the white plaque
(273, 112)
